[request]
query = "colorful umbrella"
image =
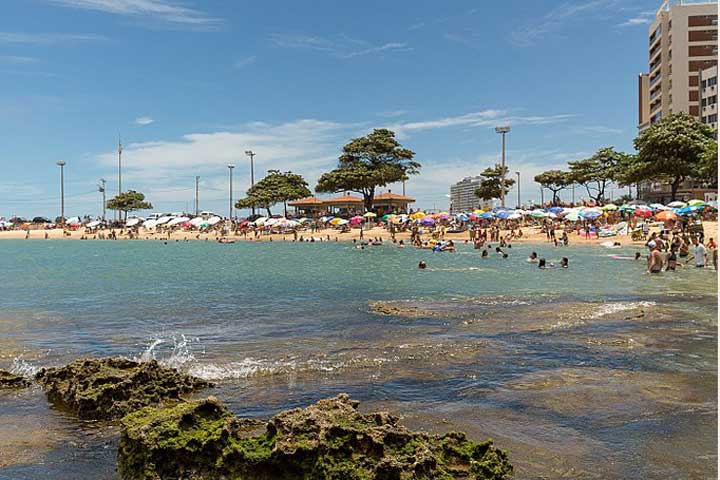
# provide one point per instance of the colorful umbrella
(666, 215)
(677, 204)
(427, 221)
(610, 207)
(643, 212)
(627, 208)
(370, 215)
(356, 220)
(386, 216)
(590, 214)
(417, 215)
(696, 203)
(502, 214)
(555, 210)
(538, 214)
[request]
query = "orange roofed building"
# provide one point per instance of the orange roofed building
(350, 204)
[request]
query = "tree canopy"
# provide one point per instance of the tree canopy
(129, 201)
(367, 163)
(492, 185)
(597, 172)
(276, 187)
(673, 150)
(555, 181)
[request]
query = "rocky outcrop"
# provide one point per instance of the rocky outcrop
(327, 440)
(9, 380)
(110, 388)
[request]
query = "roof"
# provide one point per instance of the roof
(306, 201)
(393, 196)
(343, 199)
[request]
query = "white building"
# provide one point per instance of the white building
(462, 195)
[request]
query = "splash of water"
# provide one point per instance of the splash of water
(23, 368)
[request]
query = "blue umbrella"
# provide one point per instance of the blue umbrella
(555, 210)
(486, 215)
(503, 214)
(689, 210)
(591, 215)
(462, 217)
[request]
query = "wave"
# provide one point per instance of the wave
(23, 368)
(610, 308)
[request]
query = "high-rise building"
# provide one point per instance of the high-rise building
(462, 195)
(682, 42)
(708, 96)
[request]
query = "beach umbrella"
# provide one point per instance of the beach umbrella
(658, 206)
(572, 217)
(643, 212)
(478, 211)
(175, 221)
(689, 210)
(335, 221)
(696, 203)
(463, 217)
(538, 214)
(637, 202)
(427, 221)
(447, 214)
(713, 204)
(627, 208)
(385, 217)
(590, 213)
(486, 215)
(665, 215)
(677, 204)
(551, 215)
(555, 210)
(515, 216)
(94, 224)
(370, 215)
(502, 214)
(214, 220)
(133, 221)
(417, 215)
(610, 207)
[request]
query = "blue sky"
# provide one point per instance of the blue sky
(191, 85)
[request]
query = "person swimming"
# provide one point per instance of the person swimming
(422, 265)
(564, 262)
(541, 263)
(533, 258)
(484, 253)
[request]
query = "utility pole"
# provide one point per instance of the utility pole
(502, 130)
(197, 196)
(404, 187)
(101, 189)
(230, 168)
(518, 184)
(251, 154)
(61, 164)
(542, 196)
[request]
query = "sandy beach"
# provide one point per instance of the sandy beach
(531, 234)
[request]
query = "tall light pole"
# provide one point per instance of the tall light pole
(61, 164)
(101, 189)
(197, 195)
(119, 173)
(230, 168)
(251, 154)
(518, 184)
(502, 130)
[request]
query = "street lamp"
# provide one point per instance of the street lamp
(503, 130)
(518, 184)
(230, 168)
(61, 164)
(251, 154)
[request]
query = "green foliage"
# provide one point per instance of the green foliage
(368, 162)
(708, 168)
(598, 171)
(492, 185)
(129, 202)
(555, 181)
(672, 150)
(276, 187)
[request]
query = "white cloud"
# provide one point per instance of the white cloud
(529, 33)
(164, 10)
(48, 38)
(642, 18)
(144, 121)
(343, 48)
(244, 62)
(16, 59)
(393, 113)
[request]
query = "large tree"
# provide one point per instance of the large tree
(367, 163)
(276, 187)
(708, 168)
(597, 172)
(671, 150)
(555, 181)
(129, 201)
(492, 185)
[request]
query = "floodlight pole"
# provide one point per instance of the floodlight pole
(502, 130)
(61, 164)
(251, 154)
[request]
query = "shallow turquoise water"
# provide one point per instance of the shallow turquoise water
(491, 347)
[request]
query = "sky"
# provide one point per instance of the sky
(191, 85)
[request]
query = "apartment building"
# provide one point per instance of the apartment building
(709, 96)
(462, 195)
(682, 43)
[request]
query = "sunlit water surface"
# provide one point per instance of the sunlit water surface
(596, 371)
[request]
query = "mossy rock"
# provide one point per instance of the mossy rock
(327, 440)
(110, 388)
(9, 380)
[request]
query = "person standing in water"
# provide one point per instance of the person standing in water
(655, 263)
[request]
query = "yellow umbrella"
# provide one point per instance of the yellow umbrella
(370, 215)
(335, 221)
(478, 212)
(417, 215)
(444, 213)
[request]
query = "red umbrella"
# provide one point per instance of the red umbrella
(642, 212)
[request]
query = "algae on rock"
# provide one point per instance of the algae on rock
(327, 440)
(109, 388)
(9, 380)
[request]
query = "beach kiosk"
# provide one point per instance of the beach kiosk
(345, 204)
(309, 206)
(391, 203)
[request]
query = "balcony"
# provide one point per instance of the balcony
(655, 94)
(654, 79)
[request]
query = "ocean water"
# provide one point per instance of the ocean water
(596, 371)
